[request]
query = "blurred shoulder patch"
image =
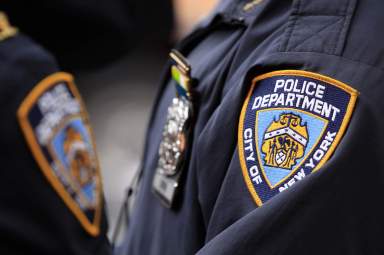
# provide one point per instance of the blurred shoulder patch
(291, 123)
(6, 30)
(56, 126)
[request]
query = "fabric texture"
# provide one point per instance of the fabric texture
(332, 211)
(33, 217)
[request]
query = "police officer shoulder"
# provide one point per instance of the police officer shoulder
(51, 196)
(281, 153)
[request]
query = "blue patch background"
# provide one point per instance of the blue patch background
(265, 118)
(34, 117)
(58, 145)
(334, 95)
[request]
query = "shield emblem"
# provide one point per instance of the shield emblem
(57, 130)
(280, 157)
(290, 124)
(287, 136)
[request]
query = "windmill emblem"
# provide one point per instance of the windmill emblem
(285, 141)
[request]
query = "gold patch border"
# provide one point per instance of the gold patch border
(93, 228)
(348, 115)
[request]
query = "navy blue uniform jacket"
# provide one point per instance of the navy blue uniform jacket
(33, 217)
(336, 210)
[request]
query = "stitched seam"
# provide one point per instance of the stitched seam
(336, 44)
(286, 34)
(294, 21)
(381, 69)
(339, 37)
(315, 34)
(343, 32)
(320, 14)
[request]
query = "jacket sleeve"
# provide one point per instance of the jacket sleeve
(33, 218)
(335, 209)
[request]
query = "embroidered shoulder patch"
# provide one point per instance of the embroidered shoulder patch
(290, 124)
(56, 127)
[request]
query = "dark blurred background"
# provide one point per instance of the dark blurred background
(116, 49)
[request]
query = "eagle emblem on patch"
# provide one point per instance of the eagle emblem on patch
(291, 123)
(56, 127)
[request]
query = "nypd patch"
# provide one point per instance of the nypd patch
(290, 124)
(56, 127)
